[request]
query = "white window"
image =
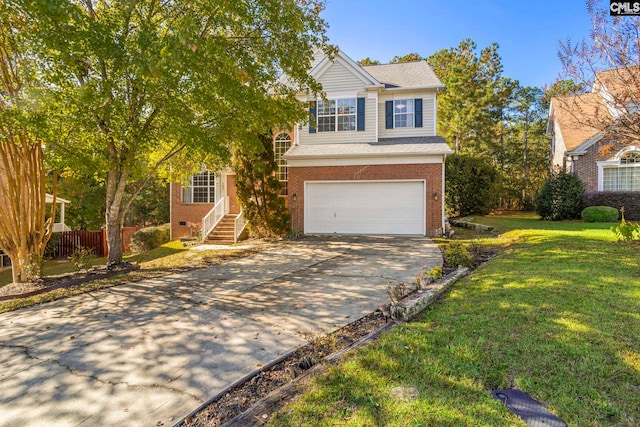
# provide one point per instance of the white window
(202, 189)
(280, 146)
(336, 115)
(625, 176)
(403, 113)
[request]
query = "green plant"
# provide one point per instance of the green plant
(626, 231)
(429, 276)
(472, 185)
(560, 197)
(150, 238)
(456, 254)
(258, 189)
(599, 214)
(82, 257)
(32, 267)
(50, 248)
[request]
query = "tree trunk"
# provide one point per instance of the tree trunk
(114, 214)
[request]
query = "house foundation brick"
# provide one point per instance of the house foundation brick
(185, 213)
(430, 172)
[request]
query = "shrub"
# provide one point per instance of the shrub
(630, 200)
(150, 237)
(457, 255)
(82, 258)
(472, 185)
(599, 214)
(560, 197)
(626, 231)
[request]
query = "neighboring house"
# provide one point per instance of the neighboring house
(601, 163)
(367, 162)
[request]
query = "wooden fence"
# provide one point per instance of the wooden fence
(66, 242)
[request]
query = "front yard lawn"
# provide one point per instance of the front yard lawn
(556, 314)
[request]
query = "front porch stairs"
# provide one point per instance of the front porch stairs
(223, 233)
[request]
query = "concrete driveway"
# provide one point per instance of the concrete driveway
(150, 352)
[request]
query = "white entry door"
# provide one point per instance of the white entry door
(365, 207)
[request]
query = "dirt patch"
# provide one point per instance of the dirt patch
(46, 284)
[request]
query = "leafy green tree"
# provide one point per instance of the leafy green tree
(560, 197)
(141, 82)
(409, 57)
(472, 184)
(469, 109)
(528, 145)
(258, 189)
(24, 226)
(87, 196)
(368, 61)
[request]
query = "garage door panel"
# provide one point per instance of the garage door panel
(390, 207)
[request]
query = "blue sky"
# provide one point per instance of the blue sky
(528, 31)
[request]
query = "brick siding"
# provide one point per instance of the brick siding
(185, 212)
(431, 172)
(585, 166)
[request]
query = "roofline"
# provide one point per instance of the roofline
(352, 155)
(582, 148)
(323, 65)
(440, 86)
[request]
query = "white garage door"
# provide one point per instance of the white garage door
(365, 207)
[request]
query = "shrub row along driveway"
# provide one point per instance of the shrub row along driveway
(149, 352)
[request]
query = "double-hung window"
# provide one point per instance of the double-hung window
(336, 115)
(202, 188)
(403, 113)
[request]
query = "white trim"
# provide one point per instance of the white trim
(358, 161)
(352, 181)
(582, 148)
(435, 114)
(377, 118)
(348, 63)
(625, 151)
(444, 162)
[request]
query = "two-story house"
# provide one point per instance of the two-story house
(367, 162)
(601, 163)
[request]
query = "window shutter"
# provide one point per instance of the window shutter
(417, 106)
(388, 109)
(312, 117)
(360, 117)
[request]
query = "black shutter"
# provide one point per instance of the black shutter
(417, 105)
(312, 117)
(388, 109)
(360, 116)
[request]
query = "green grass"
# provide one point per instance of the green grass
(556, 314)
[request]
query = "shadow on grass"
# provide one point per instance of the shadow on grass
(555, 316)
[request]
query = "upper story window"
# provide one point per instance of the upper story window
(625, 176)
(281, 144)
(202, 188)
(403, 113)
(336, 115)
